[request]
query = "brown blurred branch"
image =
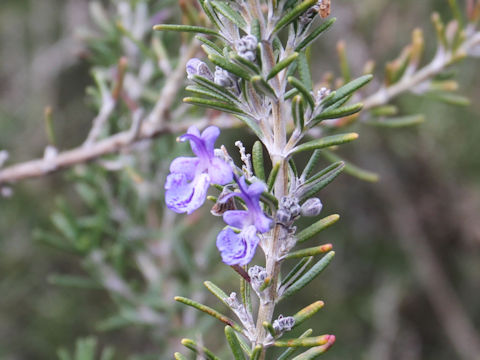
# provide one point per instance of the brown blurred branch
(155, 124)
(456, 323)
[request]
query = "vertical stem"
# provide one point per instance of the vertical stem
(267, 307)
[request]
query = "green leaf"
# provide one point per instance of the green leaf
(304, 71)
(179, 356)
(324, 142)
(336, 113)
(257, 352)
(199, 350)
(317, 227)
(396, 122)
(262, 86)
(234, 344)
(457, 12)
(247, 64)
(298, 112)
(210, 44)
(185, 28)
(215, 290)
(385, 110)
(257, 160)
(293, 14)
(207, 8)
(306, 278)
(234, 16)
(297, 271)
(315, 34)
(202, 91)
(282, 65)
(290, 93)
(351, 169)
(252, 124)
(305, 342)
(220, 90)
(287, 353)
(229, 66)
(315, 352)
(303, 90)
(293, 167)
(273, 176)
(448, 98)
(307, 312)
(316, 250)
(213, 104)
(320, 180)
(347, 89)
(269, 327)
(209, 311)
(312, 162)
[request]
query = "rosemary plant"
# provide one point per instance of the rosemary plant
(257, 70)
(265, 81)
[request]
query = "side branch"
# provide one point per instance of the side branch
(439, 63)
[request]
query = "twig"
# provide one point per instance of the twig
(157, 124)
(441, 61)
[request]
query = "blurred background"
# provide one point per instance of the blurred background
(91, 253)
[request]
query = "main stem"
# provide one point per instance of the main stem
(267, 306)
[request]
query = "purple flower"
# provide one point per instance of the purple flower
(187, 184)
(239, 248)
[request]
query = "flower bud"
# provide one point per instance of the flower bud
(283, 323)
(223, 78)
(198, 67)
(283, 216)
(246, 47)
(322, 94)
(312, 207)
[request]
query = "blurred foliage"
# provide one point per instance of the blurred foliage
(66, 241)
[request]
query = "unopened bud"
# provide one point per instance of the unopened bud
(283, 216)
(198, 67)
(247, 46)
(312, 207)
(283, 323)
(223, 78)
(257, 275)
(322, 94)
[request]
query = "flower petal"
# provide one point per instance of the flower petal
(209, 136)
(220, 171)
(200, 185)
(251, 239)
(237, 218)
(185, 165)
(262, 222)
(237, 249)
(183, 196)
(178, 192)
(256, 189)
(231, 247)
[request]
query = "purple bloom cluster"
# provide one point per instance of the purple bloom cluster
(186, 190)
(187, 184)
(238, 248)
